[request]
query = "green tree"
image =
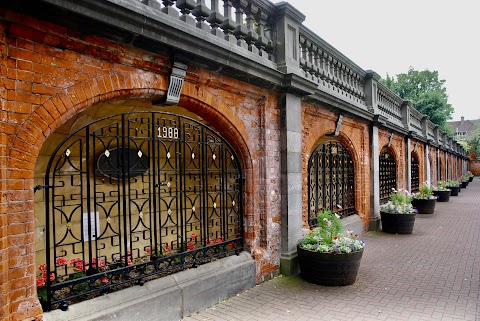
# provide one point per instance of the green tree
(474, 142)
(426, 92)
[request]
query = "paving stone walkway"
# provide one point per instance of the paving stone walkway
(432, 274)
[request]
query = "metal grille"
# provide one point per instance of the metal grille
(135, 196)
(388, 175)
(331, 181)
(415, 174)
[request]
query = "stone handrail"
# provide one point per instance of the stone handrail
(389, 105)
(416, 121)
(245, 23)
(331, 70)
(269, 41)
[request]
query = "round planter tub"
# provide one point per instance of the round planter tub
(332, 269)
(397, 223)
(443, 196)
(454, 190)
(424, 206)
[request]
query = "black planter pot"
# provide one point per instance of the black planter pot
(470, 179)
(332, 269)
(454, 190)
(442, 196)
(464, 184)
(397, 223)
(424, 206)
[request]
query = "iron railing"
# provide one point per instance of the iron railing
(135, 196)
(415, 174)
(331, 179)
(388, 175)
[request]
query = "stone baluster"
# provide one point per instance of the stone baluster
(329, 62)
(215, 19)
(186, 7)
(262, 41)
(252, 36)
(201, 12)
(152, 4)
(303, 55)
(322, 65)
(240, 31)
(169, 9)
(228, 24)
(335, 72)
(315, 70)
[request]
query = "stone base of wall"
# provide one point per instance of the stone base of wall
(169, 298)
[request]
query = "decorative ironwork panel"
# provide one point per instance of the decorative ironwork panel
(331, 179)
(134, 196)
(415, 174)
(388, 175)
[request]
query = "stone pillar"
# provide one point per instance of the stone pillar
(374, 224)
(291, 180)
(287, 26)
(427, 164)
(408, 162)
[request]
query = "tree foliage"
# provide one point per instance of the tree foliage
(426, 92)
(474, 142)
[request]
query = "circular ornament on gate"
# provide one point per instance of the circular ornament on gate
(110, 162)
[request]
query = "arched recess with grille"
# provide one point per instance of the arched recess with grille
(388, 174)
(414, 173)
(331, 180)
(136, 195)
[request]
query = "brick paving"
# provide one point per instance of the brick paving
(432, 274)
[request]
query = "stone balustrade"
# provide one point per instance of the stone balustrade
(268, 44)
(331, 70)
(245, 23)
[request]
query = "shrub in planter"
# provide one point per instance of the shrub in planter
(454, 186)
(326, 255)
(398, 215)
(470, 176)
(441, 191)
(424, 200)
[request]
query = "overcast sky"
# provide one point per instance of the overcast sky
(390, 36)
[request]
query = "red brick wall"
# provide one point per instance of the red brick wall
(475, 167)
(49, 74)
(354, 135)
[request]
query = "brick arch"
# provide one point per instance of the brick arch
(56, 110)
(30, 136)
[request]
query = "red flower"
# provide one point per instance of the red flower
(168, 248)
(61, 261)
(43, 267)
(104, 280)
(73, 262)
(52, 276)
(335, 238)
(148, 250)
(40, 282)
(190, 246)
(208, 240)
(193, 236)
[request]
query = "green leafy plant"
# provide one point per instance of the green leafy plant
(400, 203)
(441, 186)
(425, 192)
(327, 237)
(452, 183)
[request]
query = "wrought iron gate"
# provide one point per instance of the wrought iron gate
(331, 179)
(388, 175)
(415, 174)
(134, 196)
